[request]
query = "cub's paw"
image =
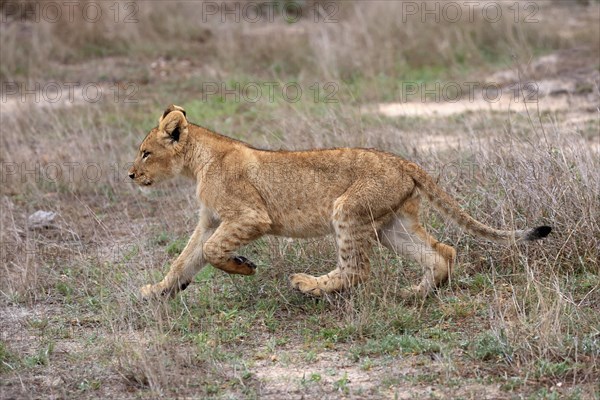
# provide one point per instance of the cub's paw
(407, 294)
(306, 284)
(415, 292)
(151, 292)
(243, 261)
(239, 265)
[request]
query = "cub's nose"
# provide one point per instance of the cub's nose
(132, 175)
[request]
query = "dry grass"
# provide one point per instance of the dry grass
(514, 322)
(379, 39)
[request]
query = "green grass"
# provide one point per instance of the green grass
(8, 361)
(490, 346)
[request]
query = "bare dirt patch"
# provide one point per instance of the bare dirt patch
(568, 97)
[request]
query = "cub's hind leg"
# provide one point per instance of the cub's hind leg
(354, 239)
(353, 266)
(405, 235)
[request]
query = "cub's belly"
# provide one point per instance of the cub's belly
(301, 224)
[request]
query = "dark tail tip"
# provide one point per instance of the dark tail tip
(538, 233)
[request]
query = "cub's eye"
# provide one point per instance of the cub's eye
(145, 154)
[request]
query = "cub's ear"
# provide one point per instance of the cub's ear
(169, 109)
(174, 125)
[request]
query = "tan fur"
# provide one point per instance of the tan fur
(360, 195)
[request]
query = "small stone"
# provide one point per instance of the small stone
(41, 219)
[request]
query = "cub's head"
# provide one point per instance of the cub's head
(161, 154)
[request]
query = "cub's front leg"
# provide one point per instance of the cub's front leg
(232, 234)
(190, 261)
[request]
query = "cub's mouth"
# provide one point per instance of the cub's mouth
(143, 181)
(140, 179)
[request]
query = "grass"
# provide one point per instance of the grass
(214, 324)
(514, 322)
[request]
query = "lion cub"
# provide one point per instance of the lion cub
(362, 196)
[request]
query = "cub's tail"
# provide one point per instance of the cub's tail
(448, 206)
